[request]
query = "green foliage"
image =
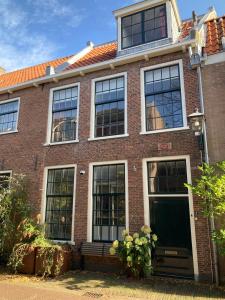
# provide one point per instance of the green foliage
(135, 251)
(210, 188)
(14, 208)
(20, 234)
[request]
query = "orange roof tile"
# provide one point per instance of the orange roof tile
(185, 29)
(19, 76)
(215, 32)
(96, 55)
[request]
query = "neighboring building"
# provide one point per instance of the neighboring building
(213, 82)
(104, 139)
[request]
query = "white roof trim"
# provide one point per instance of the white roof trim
(102, 65)
(74, 58)
(136, 7)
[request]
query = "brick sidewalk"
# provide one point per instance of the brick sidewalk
(11, 291)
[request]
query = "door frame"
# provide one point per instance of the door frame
(190, 197)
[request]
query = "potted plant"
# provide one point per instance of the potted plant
(52, 259)
(135, 252)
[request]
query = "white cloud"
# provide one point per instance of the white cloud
(46, 10)
(20, 45)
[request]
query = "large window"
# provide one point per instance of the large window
(59, 204)
(163, 103)
(110, 107)
(64, 114)
(108, 202)
(8, 116)
(144, 27)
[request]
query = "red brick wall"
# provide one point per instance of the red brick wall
(213, 83)
(20, 150)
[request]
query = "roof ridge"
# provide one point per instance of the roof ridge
(105, 44)
(215, 19)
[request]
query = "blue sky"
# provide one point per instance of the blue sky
(34, 31)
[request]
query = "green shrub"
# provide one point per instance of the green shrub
(135, 252)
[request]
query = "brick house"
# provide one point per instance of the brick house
(213, 82)
(104, 139)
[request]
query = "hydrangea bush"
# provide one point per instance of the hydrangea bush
(135, 251)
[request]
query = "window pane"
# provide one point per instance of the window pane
(109, 108)
(59, 203)
(64, 115)
(8, 116)
(108, 202)
(163, 99)
(152, 21)
(167, 177)
(4, 180)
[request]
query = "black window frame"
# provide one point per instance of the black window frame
(14, 113)
(65, 110)
(67, 196)
(143, 31)
(162, 92)
(118, 101)
(180, 190)
(118, 211)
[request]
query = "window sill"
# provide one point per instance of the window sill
(9, 132)
(165, 130)
(61, 143)
(109, 137)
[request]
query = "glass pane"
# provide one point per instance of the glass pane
(108, 200)
(8, 116)
(167, 177)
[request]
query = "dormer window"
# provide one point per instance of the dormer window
(144, 27)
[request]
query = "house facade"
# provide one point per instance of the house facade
(104, 139)
(213, 82)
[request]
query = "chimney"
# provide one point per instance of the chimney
(90, 44)
(50, 70)
(195, 18)
(2, 70)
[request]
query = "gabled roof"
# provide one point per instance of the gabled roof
(215, 32)
(100, 53)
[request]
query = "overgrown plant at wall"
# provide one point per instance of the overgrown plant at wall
(21, 235)
(14, 208)
(135, 252)
(210, 188)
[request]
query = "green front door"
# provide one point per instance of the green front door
(170, 218)
(171, 222)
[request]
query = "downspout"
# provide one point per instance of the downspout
(206, 154)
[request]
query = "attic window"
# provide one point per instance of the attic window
(144, 27)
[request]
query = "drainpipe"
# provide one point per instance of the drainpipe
(211, 220)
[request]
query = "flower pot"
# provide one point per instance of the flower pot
(66, 263)
(28, 266)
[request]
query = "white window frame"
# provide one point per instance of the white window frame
(92, 116)
(49, 127)
(189, 195)
(90, 194)
(43, 205)
(6, 171)
(17, 121)
(183, 100)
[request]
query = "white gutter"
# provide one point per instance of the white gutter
(112, 63)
